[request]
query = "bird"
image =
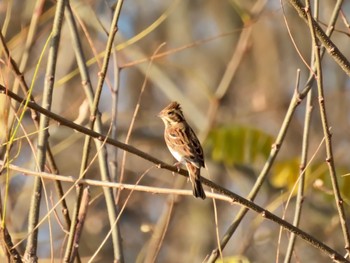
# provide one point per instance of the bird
(183, 144)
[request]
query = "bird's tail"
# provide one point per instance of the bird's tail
(194, 173)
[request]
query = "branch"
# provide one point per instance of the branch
(95, 124)
(33, 217)
(326, 132)
(332, 49)
(232, 196)
(227, 196)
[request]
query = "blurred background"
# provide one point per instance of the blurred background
(233, 68)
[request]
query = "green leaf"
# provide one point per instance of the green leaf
(239, 145)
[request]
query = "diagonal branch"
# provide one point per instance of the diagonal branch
(331, 48)
(234, 197)
(33, 217)
(228, 196)
(95, 124)
(295, 101)
(327, 133)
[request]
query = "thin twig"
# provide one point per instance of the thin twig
(103, 163)
(112, 210)
(37, 12)
(21, 81)
(154, 244)
(91, 133)
(115, 223)
(33, 217)
(331, 48)
(326, 131)
(76, 183)
(295, 101)
(246, 203)
(131, 126)
(303, 161)
(227, 78)
(226, 195)
(81, 220)
(6, 241)
(301, 178)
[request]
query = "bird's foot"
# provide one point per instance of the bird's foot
(178, 166)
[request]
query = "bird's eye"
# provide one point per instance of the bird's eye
(171, 113)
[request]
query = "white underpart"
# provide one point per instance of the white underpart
(177, 156)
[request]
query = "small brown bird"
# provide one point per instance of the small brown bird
(183, 144)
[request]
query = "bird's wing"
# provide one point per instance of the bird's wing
(185, 142)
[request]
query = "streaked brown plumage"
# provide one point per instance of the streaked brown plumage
(183, 144)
